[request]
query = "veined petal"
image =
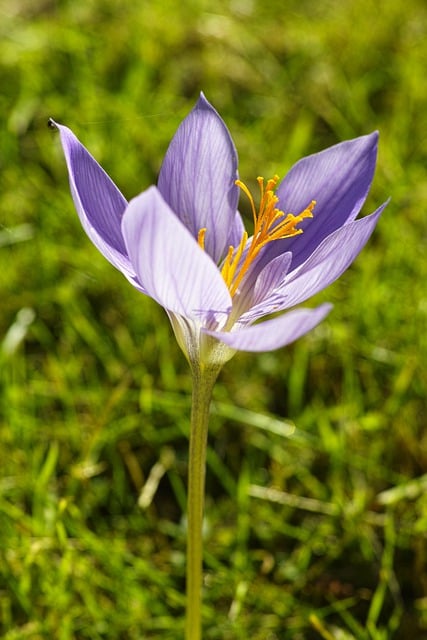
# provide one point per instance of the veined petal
(271, 277)
(98, 201)
(274, 303)
(171, 266)
(197, 177)
(260, 298)
(331, 258)
(338, 179)
(274, 333)
(236, 231)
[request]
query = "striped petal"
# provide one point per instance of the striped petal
(197, 177)
(171, 266)
(275, 333)
(338, 179)
(331, 258)
(98, 202)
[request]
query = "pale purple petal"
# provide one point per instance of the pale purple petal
(274, 303)
(171, 266)
(333, 256)
(260, 298)
(268, 254)
(98, 201)
(338, 179)
(197, 178)
(271, 277)
(236, 232)
(275, 333)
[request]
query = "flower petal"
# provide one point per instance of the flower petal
(172, 267)
(271, 277)
(331, 258)
(236, 231)
(260, 299)
(338, 179)
(275, 333)
(197, 178)
(98, 201)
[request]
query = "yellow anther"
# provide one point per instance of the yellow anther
(270, 223)
(232, 260)
(201, 237)
(246, 191)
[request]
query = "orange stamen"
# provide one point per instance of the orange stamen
(201, 237)
(270, 223)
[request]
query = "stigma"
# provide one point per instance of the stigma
(270, 223)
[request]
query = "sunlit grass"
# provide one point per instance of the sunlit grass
(316, 512)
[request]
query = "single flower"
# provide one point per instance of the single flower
(184, 244)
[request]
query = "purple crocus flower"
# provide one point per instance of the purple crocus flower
(183, 242)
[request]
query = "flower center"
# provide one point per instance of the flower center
(270, 223)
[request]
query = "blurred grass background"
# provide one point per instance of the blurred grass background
(316, 484)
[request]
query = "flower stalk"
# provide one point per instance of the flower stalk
(203, 383)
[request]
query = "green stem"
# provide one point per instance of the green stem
(203, 383)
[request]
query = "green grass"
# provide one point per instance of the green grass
(316, 519)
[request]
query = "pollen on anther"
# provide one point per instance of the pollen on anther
(201, 237)
(270, 223)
